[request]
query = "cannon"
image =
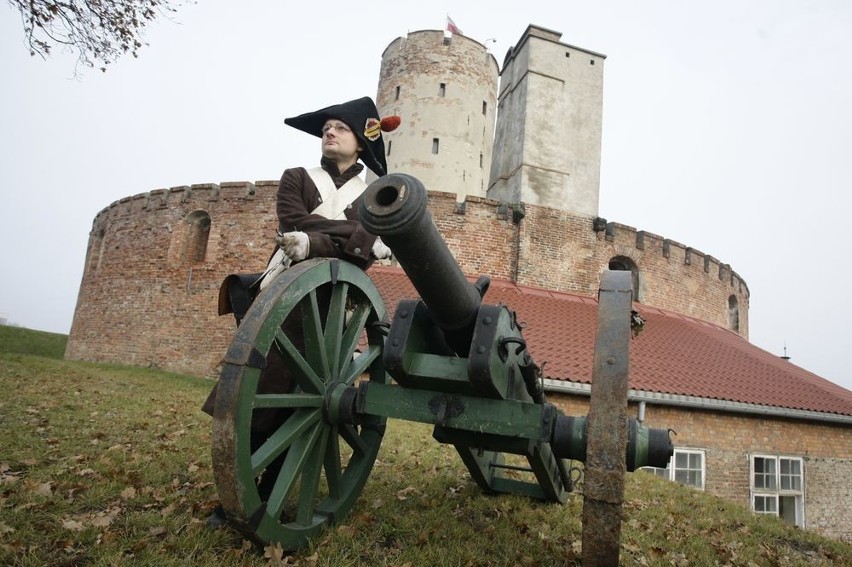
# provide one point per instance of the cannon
(445, 359)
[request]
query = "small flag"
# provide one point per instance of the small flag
(452, 27)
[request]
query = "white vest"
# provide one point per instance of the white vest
(333, 207)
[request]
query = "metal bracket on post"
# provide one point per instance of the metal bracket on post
(603, 485)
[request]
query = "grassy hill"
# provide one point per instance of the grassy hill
(27, 341)
(106, 465)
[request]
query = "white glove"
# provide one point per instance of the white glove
(381, 250)
(295, 244)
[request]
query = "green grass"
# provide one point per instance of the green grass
(109, 465)
(27, 341)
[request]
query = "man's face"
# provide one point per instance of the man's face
(339, 142)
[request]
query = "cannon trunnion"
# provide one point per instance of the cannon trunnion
(455, 362)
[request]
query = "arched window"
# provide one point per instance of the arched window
(625, 264)
(197, 233)
(733, 314)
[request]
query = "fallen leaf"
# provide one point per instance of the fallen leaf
(102, 521)
(246, 546)
(406, 492)
(4, 529)
(275, 555)
(656, 552)
(73, 525)
(45, 489)
(128, 493)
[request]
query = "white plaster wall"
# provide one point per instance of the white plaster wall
(549, 125)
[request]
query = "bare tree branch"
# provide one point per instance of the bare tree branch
(99, 31)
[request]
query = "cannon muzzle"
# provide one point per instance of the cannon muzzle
(394, 208)
(645, 447)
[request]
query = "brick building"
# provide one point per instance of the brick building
(750, 426)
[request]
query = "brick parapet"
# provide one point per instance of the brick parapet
(562, 251)
(137, 271)
(141, 302)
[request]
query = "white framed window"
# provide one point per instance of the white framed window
(777, 487)
(686, 467)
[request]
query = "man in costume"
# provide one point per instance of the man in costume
(317, 218)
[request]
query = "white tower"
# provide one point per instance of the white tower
(547, 148)
(445, 90)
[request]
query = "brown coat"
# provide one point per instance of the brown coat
(298, 196)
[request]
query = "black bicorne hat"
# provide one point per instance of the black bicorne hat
(362, 116)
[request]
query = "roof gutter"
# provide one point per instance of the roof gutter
(578, 389)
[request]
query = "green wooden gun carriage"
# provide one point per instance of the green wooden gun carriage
(445, 359)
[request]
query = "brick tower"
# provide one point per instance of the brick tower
(445, 89)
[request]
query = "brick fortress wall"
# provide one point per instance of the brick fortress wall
(149, 292)
(148, 295)
(561, 251)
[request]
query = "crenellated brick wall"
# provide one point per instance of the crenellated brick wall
(561, 251)
(142, 299)
(148, 295)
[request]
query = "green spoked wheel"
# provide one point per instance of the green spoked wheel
(285, 466)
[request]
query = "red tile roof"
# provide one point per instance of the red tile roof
(674, 354)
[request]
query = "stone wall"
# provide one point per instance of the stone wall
(149, 291)
(146, 298)
(562, 251)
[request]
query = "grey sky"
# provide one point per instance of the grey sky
(727, 128)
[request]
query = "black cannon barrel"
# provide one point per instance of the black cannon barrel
(394, 208)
